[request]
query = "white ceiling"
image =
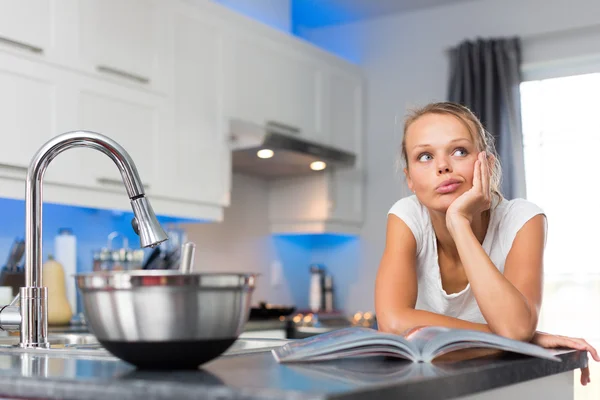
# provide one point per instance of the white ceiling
(317, 13)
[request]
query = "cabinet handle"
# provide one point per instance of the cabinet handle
(117, 182)
(14, 43)
(123, 74)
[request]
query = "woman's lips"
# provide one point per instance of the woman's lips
(448, 187)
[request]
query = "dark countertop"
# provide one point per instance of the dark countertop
(258, 376)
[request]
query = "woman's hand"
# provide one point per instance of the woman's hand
(553, 341)
(475, 200)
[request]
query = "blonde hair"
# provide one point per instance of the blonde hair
(483, 139)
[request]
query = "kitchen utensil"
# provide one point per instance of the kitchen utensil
(171, 259)
(187, 257)
(15, 254)
(153, 259)
(164, 319)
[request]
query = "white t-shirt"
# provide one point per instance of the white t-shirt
(506, 219)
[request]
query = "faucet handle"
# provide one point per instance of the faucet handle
(135, 226)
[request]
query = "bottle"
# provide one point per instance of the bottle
(315, 298)
(65, 252)
(328, 293)
(59, 309)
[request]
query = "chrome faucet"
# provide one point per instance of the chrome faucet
(32, 317)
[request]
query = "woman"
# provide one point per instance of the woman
(457, 253)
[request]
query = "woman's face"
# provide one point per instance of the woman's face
(441, 155)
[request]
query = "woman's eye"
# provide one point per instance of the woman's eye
(460, 152)
(424, 157)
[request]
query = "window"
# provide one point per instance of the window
(561, 138)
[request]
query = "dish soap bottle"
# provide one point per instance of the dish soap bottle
(53, 277)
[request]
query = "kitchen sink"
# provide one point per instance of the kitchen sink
(86, 345)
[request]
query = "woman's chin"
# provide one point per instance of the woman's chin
(441, 203)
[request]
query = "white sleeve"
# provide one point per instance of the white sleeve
(519, 213)
(408, 210)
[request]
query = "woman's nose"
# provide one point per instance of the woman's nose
(444, 168)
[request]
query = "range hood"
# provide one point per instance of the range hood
(290, 154)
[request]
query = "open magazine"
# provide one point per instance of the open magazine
(420, 345)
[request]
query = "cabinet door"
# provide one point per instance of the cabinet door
(132, 118)
(275, 83)
(118, 38)
(28, 102)
(345, 111)
(26, 24)
(345, 195)
(200, 157)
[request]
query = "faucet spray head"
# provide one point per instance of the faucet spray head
(145, 223)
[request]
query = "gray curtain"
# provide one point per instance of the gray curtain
(485, 76)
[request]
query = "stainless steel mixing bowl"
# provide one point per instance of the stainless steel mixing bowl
(166, 319)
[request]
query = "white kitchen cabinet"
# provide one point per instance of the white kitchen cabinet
(27, 101)
(344, 126)
(199, 154)
(274, 82)
(132, 118)
(26, 25)
(121, 40)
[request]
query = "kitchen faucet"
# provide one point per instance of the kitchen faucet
(32, 315)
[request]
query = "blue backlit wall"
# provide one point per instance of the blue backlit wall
(339, 254)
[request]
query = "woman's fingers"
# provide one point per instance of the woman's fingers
(585, 376)
(485, 176)
(477, 175)
(584, 345)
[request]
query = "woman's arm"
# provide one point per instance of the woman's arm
(510, 303)
(396, 286)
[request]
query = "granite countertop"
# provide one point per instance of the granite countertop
(258, 376)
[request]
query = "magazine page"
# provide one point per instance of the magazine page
(345, 342)
(460, 339)
(419, 336)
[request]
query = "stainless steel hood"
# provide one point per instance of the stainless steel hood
(292, 155)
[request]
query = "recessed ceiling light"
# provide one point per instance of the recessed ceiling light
(318, 165)
(265, 153)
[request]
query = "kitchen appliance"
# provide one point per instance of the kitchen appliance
(290, 153)
(166, 319)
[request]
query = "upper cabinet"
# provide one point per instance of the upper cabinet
(344, 110)
(200, 157)
(273, 82)
(121, 40)
(26, 25)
